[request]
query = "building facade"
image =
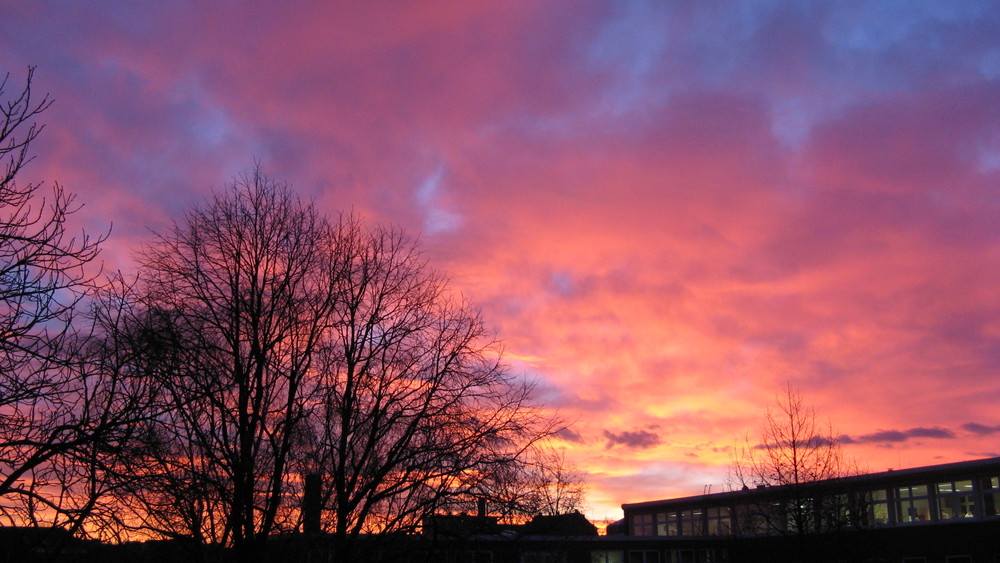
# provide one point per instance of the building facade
(944, 513)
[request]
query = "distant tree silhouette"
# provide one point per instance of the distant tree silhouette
(540, 482)
(555, 485)
(60, 424)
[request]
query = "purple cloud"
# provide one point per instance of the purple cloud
(980, 429)
(814, 442)
(640, 439)
(569, 435)
(899, 435)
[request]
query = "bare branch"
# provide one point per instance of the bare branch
(56, 420)
(794, 449)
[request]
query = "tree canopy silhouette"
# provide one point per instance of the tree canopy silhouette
(60, 425)
(794, 450)
(285, 344)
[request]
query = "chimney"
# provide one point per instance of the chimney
(312, 504)
(481, 507)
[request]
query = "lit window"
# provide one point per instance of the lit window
(661, 524)
(607, 557)
(642, 525)
(991, 496)
(719, 521)
(671, 524)
(880, 507)
(912, 504)
(955, 500)
(691, 523)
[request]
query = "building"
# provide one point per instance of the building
(944, 513)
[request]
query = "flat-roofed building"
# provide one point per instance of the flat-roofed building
(949, 513)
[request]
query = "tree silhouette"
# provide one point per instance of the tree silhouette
(59, 425)
(541, 482)
(415, 406)
(794, 451)
(282, 345)
(228, 312)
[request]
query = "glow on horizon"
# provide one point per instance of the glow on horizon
(667, 210)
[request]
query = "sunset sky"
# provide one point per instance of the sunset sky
(666, 210)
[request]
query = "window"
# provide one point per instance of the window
(691, 523)
(914, 560)
(836, 511)
(799, 515)
(955, 500)
(699, 556)
(912, 504)
(663, 523)
(683, 523)
(642, 525)
(958, 559)
(670, 524)
(644, 557)
(856, 509)
(543, 557)
(719, 522)
(751, 520)
(607, 557)
(880, 507)
(991, 496)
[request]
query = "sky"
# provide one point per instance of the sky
(667, 211)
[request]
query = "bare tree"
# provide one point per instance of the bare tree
(57, 423)
(556, 486)
(229, 310)
(540, 482)
(794, 450)
(146, 348)
(283, 345)
(416, 408)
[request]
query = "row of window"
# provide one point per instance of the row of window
(713, 521)
(942, 501)
(648, 556)
(714, 556)
(954, 500)
(654, 556)
(602, 556)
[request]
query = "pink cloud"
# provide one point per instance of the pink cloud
(667, 212)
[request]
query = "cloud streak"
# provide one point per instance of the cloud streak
(639, 439)
(896, 436)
